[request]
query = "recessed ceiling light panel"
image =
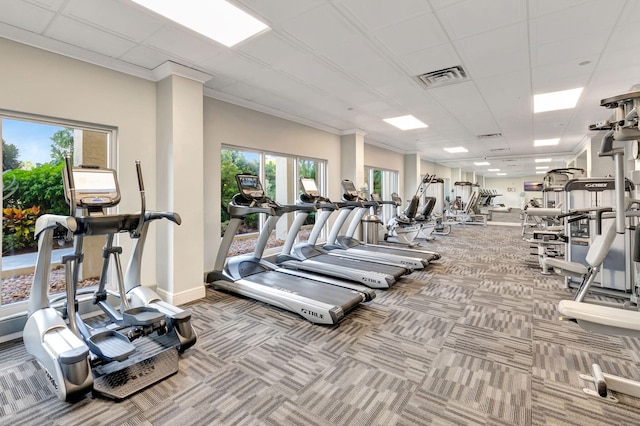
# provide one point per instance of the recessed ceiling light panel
(543, 160)
(493, 170)
(216, 19)
(553, 101)
(546, 142)
(482, 163)
(406, 122)
(501, 174)
(456, 150)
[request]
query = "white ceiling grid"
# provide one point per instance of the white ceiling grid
(340, 65)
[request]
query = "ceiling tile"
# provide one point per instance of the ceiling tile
(539, 8)
(24, 15)
(233, 65)
(412, 35)
(311, 28)
(375, 14)
(145, 57)
(90, 38)
(181, 43)
(494, 43)
(132, 23)
(272, 49)
(565, 50)
(352, 54)
(561, 76)
(378, 74)
(279, 11)
(431, 59)
(582, 20)
(398, 88)
(53, 5)
(462, 19)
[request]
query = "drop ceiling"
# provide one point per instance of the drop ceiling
(341, 65)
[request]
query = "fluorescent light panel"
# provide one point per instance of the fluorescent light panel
(406, 122)
(543, 160)
(483, 163)
(542, 167)
(546, 142)
(216, 19)
(541, 173)
(493, 170)
(553, 101)
(456, 150)
(501, 174)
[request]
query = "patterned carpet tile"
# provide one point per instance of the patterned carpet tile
(21, 386)
(483, 386)
(235, 338)
(490, 317)
(556, 403)
(285, 362)
(563, 364)
(491, 345)
(425, 328)
(351, 390)
(400, 356)
(474, 339)
(567, 333)
(332, 340)
(454, 288)
(448, 309)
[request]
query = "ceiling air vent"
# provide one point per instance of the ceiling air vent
(500, 149)
(443, 77)
(490, 136)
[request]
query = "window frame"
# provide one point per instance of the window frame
(20, 307)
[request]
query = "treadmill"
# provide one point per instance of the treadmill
(253, 277)
(417, 259)
(308, 257)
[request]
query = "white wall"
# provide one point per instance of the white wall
(512, 199)
(381, 158)
(229, 124)
(38, 82)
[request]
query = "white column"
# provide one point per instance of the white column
(411, 175)
(180, 179)
(352, 154)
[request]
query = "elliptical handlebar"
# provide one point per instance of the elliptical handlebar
(143, 203)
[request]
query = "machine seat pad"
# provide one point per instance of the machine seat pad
(555, 228)
(570, 267)
(542, 211)
(625, 320)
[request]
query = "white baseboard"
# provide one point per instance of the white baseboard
(182, 297)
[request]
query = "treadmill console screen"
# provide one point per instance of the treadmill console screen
(349, 187)
(309, 187)
(250, 186)
(94, 187)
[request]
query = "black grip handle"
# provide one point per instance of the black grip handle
(139, 172)
(636, 245)
(599, 219)
(578, 218)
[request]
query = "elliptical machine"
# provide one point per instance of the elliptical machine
(140, 343)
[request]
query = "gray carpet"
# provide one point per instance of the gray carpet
(472, 340)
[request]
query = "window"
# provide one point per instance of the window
(33, 150)
(384, 183)
(280, 177)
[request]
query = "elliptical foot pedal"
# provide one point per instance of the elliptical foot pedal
(142, 316)
(133, 378)
(110, 345)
